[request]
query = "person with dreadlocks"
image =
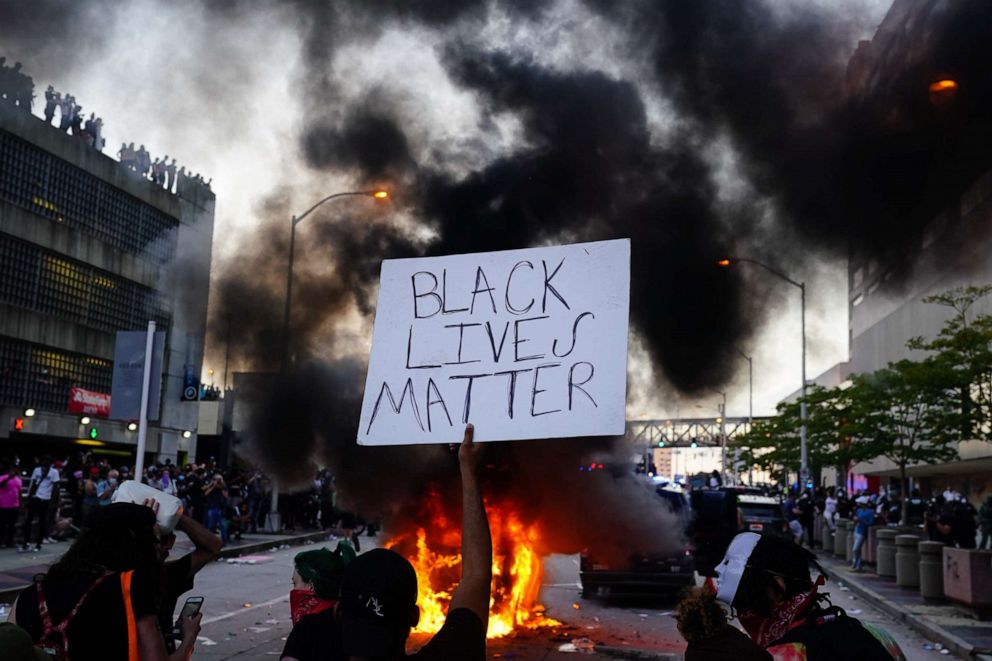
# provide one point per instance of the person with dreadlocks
(316, 586)
(100, 600)
(767, 584)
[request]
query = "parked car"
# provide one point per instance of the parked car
(719, 514)
(642, 574)
(762, 514)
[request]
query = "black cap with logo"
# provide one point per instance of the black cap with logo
(378, 604)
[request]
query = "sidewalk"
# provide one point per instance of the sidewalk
(18, 569)
(941, 622)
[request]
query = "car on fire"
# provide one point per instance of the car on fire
(642, 574)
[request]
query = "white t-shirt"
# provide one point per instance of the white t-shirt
(44, 491)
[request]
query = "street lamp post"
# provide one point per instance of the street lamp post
(722, 407)
(750, 404)
(296, 220)
(273, 520)
(803, 448)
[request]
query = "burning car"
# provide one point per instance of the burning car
(641, 574)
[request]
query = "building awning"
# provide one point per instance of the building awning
(970, 466)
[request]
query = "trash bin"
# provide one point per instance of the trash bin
(886, 553)
(840, 538)
(931, 570)
(907, 561)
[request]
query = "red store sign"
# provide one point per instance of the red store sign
(87, 402)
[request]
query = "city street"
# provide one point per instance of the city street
(246, 615)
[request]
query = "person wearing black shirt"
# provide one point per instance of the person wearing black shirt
(112, 572)
(179, 573)
(378, 605)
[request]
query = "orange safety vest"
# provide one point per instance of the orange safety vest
(132, 625)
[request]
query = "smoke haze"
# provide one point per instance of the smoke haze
(698, 129)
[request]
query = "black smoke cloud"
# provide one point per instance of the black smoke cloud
(772, 85)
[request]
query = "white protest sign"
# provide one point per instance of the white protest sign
(523, 343)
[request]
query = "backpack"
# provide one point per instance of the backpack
(54, 639)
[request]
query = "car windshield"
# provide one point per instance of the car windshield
(754, 511)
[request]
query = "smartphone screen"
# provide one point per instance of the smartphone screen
(190, 608)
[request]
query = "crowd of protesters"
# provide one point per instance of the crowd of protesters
(946, 517)
(17, 88)
(160, 171)
(48, 500)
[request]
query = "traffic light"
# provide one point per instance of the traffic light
(94, 433)
(661, 444)
(18, 424)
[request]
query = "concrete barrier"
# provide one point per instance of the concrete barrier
(907, 561)
(968, 577)
(840, 537)
(869, 552)
(886, 554)
(827, 535)
(931, 569)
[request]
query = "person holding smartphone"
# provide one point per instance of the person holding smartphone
(179, 574)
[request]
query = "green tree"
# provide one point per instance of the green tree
(907, 412)
(963, 348)
(769, 446)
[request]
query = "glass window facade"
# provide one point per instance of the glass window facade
(43, 281)
(40, 377)
(41, 183)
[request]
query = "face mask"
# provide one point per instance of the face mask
(306, 602)
(731, 568)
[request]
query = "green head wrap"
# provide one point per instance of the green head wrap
(323, 568)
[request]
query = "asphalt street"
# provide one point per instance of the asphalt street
(246, 616)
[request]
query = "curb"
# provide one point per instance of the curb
(930, 630)
(7, 595)
(273, 544)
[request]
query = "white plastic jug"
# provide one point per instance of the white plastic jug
(170, 508)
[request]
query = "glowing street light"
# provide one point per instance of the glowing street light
(943, 91)
(378, 194)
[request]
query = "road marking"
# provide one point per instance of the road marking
(218, 618)
(561, 585)
(203, 640)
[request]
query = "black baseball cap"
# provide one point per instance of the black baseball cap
(378, 604)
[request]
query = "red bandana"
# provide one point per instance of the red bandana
(305, 602)
(766, 630)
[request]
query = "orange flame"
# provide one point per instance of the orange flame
(516, 569)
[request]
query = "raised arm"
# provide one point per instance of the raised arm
(474, 589)
(207, 544)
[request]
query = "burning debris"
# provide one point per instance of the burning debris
(432, 546)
